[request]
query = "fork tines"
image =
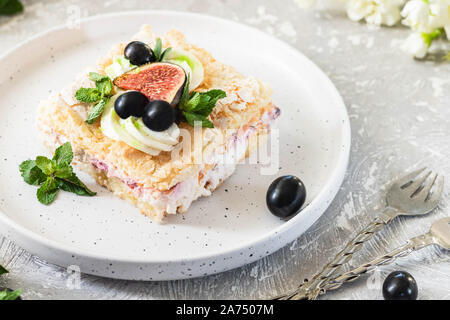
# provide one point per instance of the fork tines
(419, 185)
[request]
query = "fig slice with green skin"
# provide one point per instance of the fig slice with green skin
(158, 81)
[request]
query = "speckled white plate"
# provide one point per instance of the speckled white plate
(108, 237)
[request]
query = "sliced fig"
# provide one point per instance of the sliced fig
(158, 81)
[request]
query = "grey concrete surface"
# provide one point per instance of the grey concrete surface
(400, 116)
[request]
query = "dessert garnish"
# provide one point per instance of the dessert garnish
(161, 83)
(158, 81)
(158, 88)
(8, 294)
(133, 131)
(197, 106)
(131, 103)
(53, 174)
(99, 95)
(140, 53)
(158, 115)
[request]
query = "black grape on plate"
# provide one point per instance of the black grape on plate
(286, 196)
(139, 53)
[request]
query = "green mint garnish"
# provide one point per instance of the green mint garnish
(88, 95)
(97, 77)
(46, 193)
(5, 294)
(96, 111)
(10, 295)
(31, 173)
(197, 106)
(99, 95)
(53, 174)
(157, 50)
(3, 270)
(10, 7)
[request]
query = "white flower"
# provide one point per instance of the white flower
(415, 45)
(386, 12)
(417, 16)
(426, 15)
(440, 13)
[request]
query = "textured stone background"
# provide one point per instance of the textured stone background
(400, 116)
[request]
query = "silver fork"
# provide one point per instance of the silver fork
(411, 195)
(439, 234)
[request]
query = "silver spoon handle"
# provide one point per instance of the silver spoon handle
(311, 289)
(412, 245)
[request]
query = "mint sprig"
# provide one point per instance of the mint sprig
(10, 7)
(8, 294)
(97, 110)
(157, 50)
(3, 270)
(31, 173)
(197, 106)
(99, 95)
(53, 175)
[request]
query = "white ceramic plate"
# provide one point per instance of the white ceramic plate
(108, 237)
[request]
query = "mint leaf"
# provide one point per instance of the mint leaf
(104, 86)
(63, 172)
(88, 95)
(53, 175)
(157, 49)
(45, 165)
(208, 101)
(94, 76)
(185, 95)
(63, 154)
(197, 106)
(100, 94)
(46, 194)
(102, 83)
(74, 185)
(96, 111)
(191, 118)
(10, 295)
(215, 95)
(2, 270)
(31, 173)
(10, 7)
(193, 102)
(165, 52)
